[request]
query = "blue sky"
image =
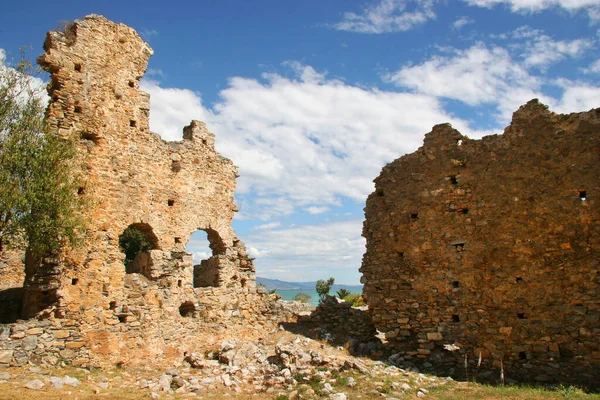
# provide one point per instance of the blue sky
(311, 99)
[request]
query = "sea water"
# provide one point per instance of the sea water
(314, 297)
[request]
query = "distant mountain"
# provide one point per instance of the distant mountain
(272, 284)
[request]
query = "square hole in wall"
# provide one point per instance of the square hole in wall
(521, 315)
(132, 123)
(77, 67)
(453, 180)
(582, 195)
(519, 279)
(177, 240)
(379, 192)
(74, 281)
(522, 355)
(414, 216)
(455, 318)
(131, 84)
(171, 203)
(77, 109)
(455, 284)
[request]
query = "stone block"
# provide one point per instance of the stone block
(6, 356)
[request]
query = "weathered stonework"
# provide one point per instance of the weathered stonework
(94, 308)
(492, 245)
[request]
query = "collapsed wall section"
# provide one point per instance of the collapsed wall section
(492, 246)
(131, 291)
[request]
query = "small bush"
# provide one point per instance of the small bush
(133, 241)
(302, 298)
(356, 299)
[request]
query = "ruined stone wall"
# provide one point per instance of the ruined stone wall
(492, 245)
(167, 190)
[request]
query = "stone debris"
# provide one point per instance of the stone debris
(292, 365)
(35, 384)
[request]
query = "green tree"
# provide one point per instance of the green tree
(302, 298)
(322, 287)
(39, 206)
(133, 241)
(342, 293)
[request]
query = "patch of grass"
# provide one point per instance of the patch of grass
(341, 381)
(461, 391)
(315, 383)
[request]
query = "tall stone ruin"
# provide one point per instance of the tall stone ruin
(90, 307)
(492, 246)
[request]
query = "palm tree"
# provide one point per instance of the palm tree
(342, 293)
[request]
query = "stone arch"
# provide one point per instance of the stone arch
(136, 241)
(208, 272)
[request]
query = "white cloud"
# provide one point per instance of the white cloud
(594, 68)
(303, 142)
(317, 210)
(255, 253)
(172, 109)
(476, 76)
(25, 85)
(462, 21)
(316, 251)
(578, 97)
(198, 256)
(271, 225)
(541, 51)
(388, 16)
(530, 6)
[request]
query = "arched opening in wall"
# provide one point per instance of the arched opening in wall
(12, 276)
(208, 251)
(136, 241)
(187, 309)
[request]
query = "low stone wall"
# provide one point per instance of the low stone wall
(341, 323)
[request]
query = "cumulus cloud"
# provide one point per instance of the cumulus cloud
(318, 251)
(172, 109)
(388, 16)
(476, 76)
(301, 142)
(578, 96)
(541, 51)
(32, 85)
(498, 77)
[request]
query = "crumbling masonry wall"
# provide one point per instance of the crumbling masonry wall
(92, 309)
(492, 245)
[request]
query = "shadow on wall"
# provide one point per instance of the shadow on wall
(11, 302)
